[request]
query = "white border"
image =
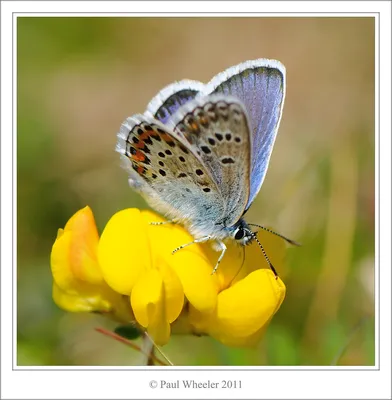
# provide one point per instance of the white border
(271, 383)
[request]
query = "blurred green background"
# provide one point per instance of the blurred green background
(79, 78)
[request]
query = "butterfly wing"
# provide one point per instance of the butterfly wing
(217, 126)
(171, 98)
(168, 173)
(204, 189)
(260, 86)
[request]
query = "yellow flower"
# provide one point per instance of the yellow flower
(136, 260)
(233, 305)
(242, 310)
(131, 273)
(249, 293)
(78, 282)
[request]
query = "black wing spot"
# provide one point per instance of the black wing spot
(227, 160)
(184, 149)
(199, 172)
(223, 109)
(161, 163)
(146, 160)
(139, 131)
(154, 176)
(162, 172)
(219, 136)
(168, 152)
(135, 139)
(211, 141)
(181, 175)
(222, 105)
(189, 119)
(237, 139)
(228, 137)
(161, 154)
(206, 149)
(206, 190)
(182, 159)
(146, 150)
(235, 110)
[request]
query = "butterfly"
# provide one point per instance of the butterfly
(200, 152)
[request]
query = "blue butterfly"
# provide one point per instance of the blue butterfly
(200, 152)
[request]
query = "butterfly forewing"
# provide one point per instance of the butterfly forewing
(217, 127)
(175, 180)
(260, 86)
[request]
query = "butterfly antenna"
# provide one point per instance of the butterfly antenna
(266, 257)
(277, 234)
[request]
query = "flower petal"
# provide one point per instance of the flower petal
(147, 290)
(230, 266)
(148, 304)
(83, 246)
(60, 263)
(85, 301)
(190, 263)
(243, 309)
(174, 293)
(73, 258)
(123, 250)
(159, 328)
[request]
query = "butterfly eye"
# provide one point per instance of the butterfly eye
(239, 234)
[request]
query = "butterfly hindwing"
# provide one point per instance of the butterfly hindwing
(171, 98)
(167, 172)
(217, 127)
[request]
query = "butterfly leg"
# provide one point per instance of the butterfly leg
(200, 240)
(223, 248)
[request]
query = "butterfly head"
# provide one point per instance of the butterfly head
(242, 233)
